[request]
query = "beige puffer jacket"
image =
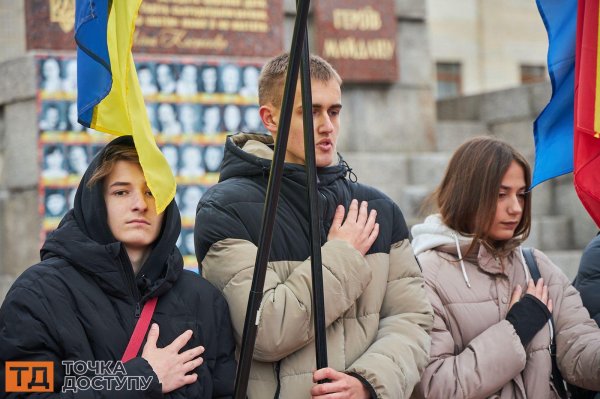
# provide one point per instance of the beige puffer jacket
(377, 313)
(475, 352)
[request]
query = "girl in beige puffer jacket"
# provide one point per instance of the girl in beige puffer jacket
(491, 333)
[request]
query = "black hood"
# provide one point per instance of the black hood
(84, 239)
(239, 162)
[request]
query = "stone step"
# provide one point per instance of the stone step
(412, 201)
(492, 107)
(384, 171)
(451, 134)
(551, 233)
(568, 203)
(543, 197)
(427, 168)
(568, 261)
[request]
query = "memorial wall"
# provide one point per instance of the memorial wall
(197, 63)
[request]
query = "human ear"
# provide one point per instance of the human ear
(268, 115)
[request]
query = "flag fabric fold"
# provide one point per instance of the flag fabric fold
(587, 109)
(553, 129)
(109, 96)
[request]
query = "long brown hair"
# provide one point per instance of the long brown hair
(467, 197)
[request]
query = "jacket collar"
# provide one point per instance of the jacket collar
(481, 257)
(434, 234)
(250, 154)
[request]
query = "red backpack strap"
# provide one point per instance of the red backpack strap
(135, 342)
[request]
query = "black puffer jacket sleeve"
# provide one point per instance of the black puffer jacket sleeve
(225, 366)
(588, 278)
(28, 333)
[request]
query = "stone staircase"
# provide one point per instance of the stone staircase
(560, 226)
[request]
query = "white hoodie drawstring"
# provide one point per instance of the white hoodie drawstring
(525, 267)
(462, 264)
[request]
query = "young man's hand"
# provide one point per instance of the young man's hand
(359, 228)
(340, 385)
(170, 366)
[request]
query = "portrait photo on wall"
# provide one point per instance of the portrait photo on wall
(211, 120)
(78, 158)
(72, 124)
(165, 78)
(250, 76)
(54, 162)
(230, 79)
(55, 203)
(232, 118)
(147, 79)
(209, 76)
(188, 201)
(57, 76)
(69, 81)
(50, 78)
(191, 161)
(171, 153)
(187, 81)
(166, 115)
(189, 118)
(213, 156)
(53, 116)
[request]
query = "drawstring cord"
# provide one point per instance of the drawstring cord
(462, 264)
(525, 268)
(349, 173)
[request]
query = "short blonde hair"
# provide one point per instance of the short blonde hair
(272, 77)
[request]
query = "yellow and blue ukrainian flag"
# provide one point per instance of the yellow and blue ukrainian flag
(109, 96)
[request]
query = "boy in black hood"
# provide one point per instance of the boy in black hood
(108, 257)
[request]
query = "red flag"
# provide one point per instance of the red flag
(587, 105)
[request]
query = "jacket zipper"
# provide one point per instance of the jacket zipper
(323, 224)
(277, 370)
(130, 280)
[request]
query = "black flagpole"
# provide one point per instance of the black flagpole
(270, 209)
(318, 300)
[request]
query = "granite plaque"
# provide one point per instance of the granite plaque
(245, 28)
(359, 38)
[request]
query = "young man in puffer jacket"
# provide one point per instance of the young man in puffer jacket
(110, 256)
(376, 311)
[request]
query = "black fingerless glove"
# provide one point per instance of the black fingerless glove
(528, 316)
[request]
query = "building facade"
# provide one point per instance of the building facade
(485, 45)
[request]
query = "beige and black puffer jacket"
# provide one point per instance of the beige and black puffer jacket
(377, 314)
(475, 352)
